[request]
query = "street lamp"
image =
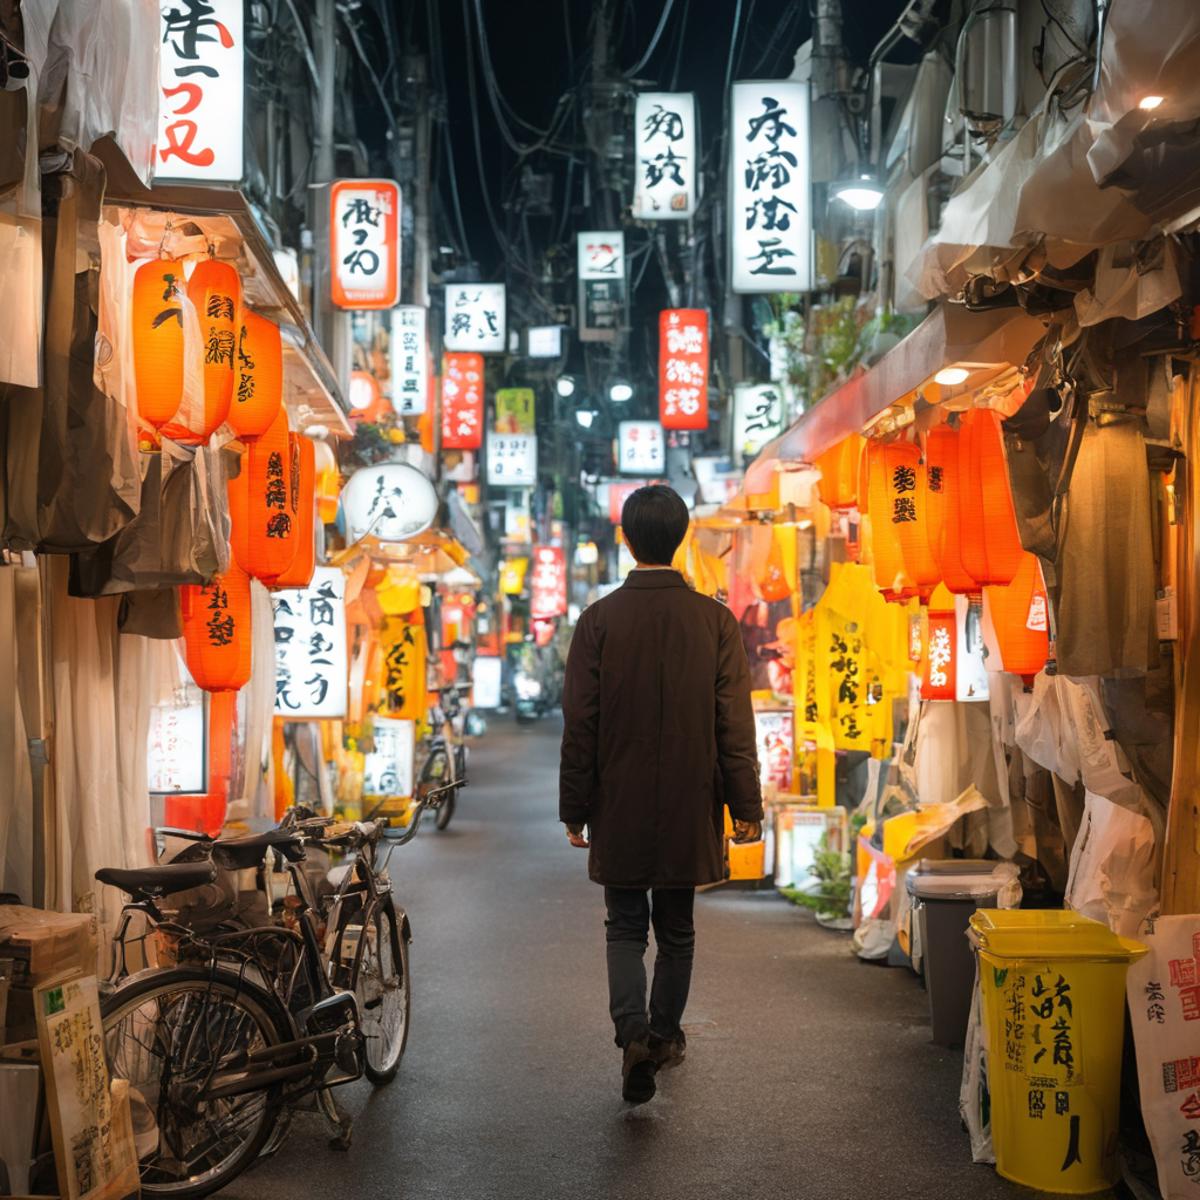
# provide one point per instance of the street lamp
(620, 391)
(564, 385)
(586, 417)
(862, 193)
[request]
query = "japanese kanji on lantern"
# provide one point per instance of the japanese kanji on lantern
(364, 243)
(665, 153)
(201, 72)
(302, 504)
(683, 368)
(404, 664)
(216, 630)
(258, 382)
(310, 647)
(159, 291)
(548, 583)
(389, 501)
(270, 522)
(462, 401)
(939, 673)
(770, 223)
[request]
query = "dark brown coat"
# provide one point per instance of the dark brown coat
(659, 733)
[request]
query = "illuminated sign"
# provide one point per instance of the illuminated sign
(665, 156)
(364, 243)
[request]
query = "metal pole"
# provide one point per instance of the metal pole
(323, 170)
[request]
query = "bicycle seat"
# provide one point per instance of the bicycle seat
(236, 854)
(159, 881)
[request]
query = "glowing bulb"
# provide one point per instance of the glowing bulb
(951, 376)
(620, 393)
(565, 386)
(1149, 103)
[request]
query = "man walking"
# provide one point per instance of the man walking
(658, 739)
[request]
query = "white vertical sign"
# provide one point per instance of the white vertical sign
(410, 360)
(388, 769)
(757, 417)
(665, 142)
(475, 314)
(201, 71)
(310, 647)
(512, 460)
(176, 762)
(770, 219)
(640, 448)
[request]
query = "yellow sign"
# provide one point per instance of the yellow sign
(404, 654)
(514, 410)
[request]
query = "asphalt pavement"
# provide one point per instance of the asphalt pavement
(809, 1074)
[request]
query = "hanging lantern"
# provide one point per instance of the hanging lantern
(303, 507)
(269, 522)
(886, 554)
(943, 472)
(990, 543)
(216, 630)
(258, 387)
(215, 292)
(1020, 616)
(907, 508)
(328, 483)
(158, 291)
(773, 582)
(367, 401)
(839, 467)
(938, 663)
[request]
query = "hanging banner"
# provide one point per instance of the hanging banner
(475, 315)
(514, 410)
(640, 448)
(548, 583)
(971, 677)
(176, 748)
(462, 401)
(757, 418)
(601, 270)
(410, 360)
(364, 243)
(518, 520)
(769, 182)
(665, 148)
(512, 460)
(404, 655)
(310, 647)
(388, 769)
(775, 732)
(391, 501)
(840, 661)
(683, 368)
(201, 70)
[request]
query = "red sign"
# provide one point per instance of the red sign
(548, 583)
(683, 368)
(938, 671)
(462, 401)
(364, 243)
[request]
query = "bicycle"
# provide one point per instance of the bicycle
(445, 767)
(219, 1046)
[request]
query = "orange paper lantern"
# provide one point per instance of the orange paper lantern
(907, 508)
(328, 483)
(216, 630)
(1020, 615)
(988, 538)
(258, 387)
(839, 466)
(887, 557)
(269, 523)
(215, 292)
(158, 291)
(942, 473)
(304, 554)
(367, 401)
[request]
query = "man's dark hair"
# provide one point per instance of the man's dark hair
(655, 521)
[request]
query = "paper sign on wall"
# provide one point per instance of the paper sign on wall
(176, 748)
(310, 647)
(201, 70)
(512, 460)
(388, 769)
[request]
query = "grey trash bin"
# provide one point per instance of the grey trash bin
(945, 894)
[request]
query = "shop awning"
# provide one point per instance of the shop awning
(950, 334)
(433, 554)
(224, 217)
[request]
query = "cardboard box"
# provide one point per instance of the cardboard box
(44, 943)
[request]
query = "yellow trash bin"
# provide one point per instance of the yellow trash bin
(1053, 989)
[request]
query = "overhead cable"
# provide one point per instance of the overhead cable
(662, 22)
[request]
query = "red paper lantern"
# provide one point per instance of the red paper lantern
(887, 557)
(215, 292)
(216, 630)
(990, 544)
(258, 388)
(1020, 615)
(942, 472)
(158, 291)
(939, 675)
(270, 522)
(839, 466)
(304, 555)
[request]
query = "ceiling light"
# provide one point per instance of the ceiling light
(585, 417)
(863, 193)
(951, 376)
(620, 392)
(564, 385)
(1150, 103)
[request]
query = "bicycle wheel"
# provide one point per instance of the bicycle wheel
(381, 983)
(167, 1030)
(446, 809)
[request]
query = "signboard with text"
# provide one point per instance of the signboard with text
(548, 583)
(665, 154)
(683, 368)
(757, 417)
(512, 460)
(410, 360)
(641, 448)
(310, 647)
(601, 270)
(462, 401)
(364, 243)
(475, 316)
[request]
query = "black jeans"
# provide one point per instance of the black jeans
(630, 913)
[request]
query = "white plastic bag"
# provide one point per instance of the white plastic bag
(973, 1102)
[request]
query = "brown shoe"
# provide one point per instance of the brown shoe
(637, 1073)
(667, 1052)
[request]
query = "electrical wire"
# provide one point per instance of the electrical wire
(662, 22)
(437, 56)
(733, 41)
(683, 25)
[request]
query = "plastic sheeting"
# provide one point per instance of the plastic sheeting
(251, 795)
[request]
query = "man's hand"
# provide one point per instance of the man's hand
(747, 831)
(576, 838)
